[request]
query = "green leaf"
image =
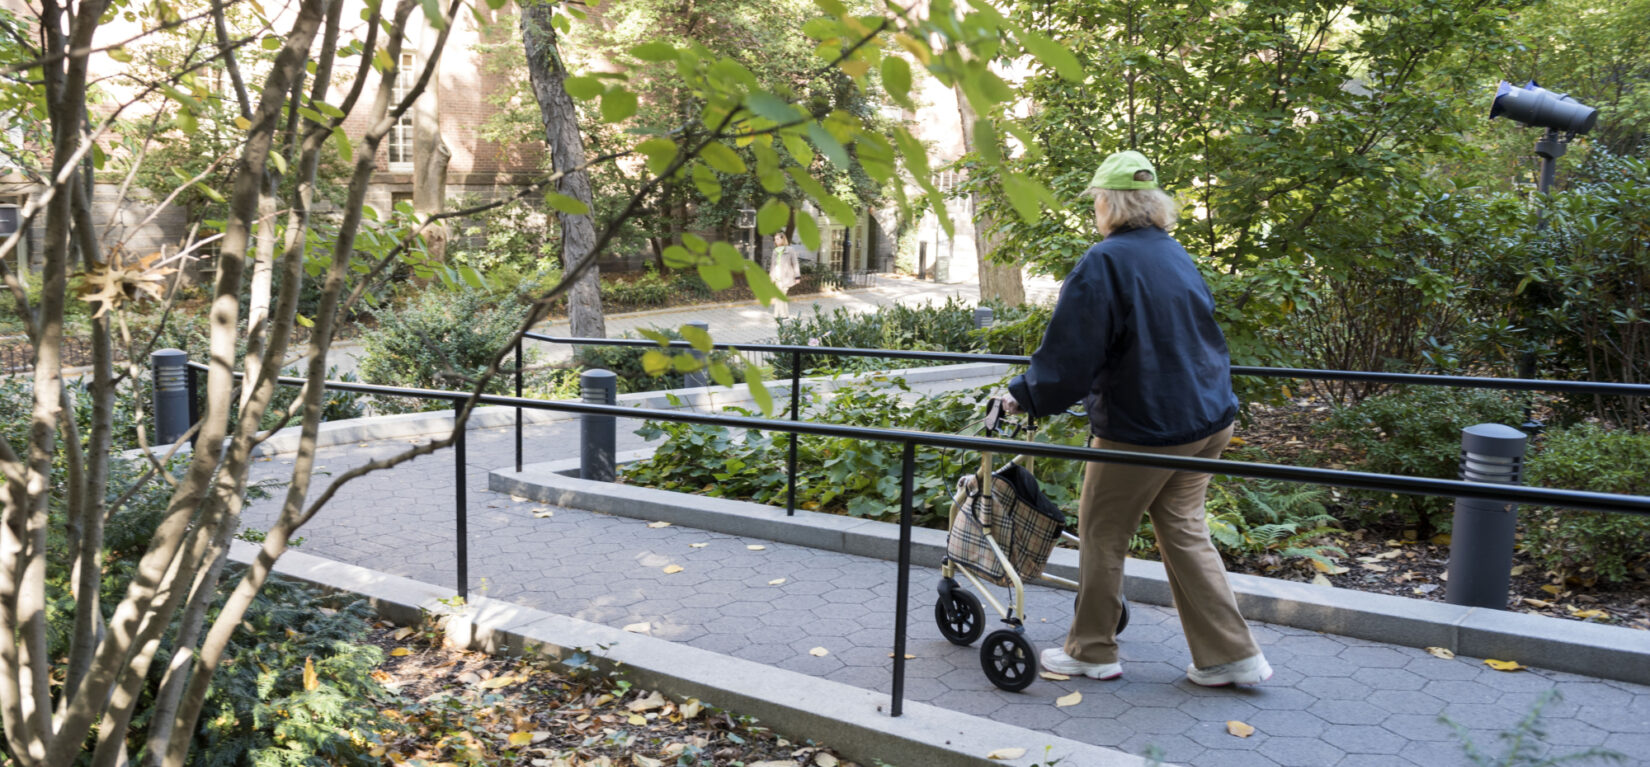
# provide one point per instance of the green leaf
(985, 141)
(432, 12)
(677, 257)
(124, 56)
(896, 79)
(277, 158)
(722, 158)
(759, 392)
(761, 284)
(655, 336)
(697, 336)
(799, 149)
(720, 374)
(772, 217)
(832, 7)
(472, 277)
(655, 362)
(328, 109)
(1053, 55)
(915, 154)
(211, 193)
(271, 43)
(1024, 194)
(830, 203)
(583, 88)
(716, 277)
(774, 108)
(828, 144)
(660, 153)
(565, 204)
(685, 363)
(346, 150)
(808, 230)
(304, 321)
(381, 60)
(654, 51)
(695, 243)
(617, 105)
(727, 257)
(706, 182)
(496, 4)
(767, 168)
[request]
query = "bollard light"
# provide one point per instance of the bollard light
(596, 432)
(984, 317)
(1481, 542)
(170, 369)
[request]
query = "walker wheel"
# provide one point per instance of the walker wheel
(964, 622)
(1008, 660)
(1123, 618)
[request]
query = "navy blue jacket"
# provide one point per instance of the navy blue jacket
(1134, 337)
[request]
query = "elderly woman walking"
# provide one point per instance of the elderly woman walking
(1134, 337)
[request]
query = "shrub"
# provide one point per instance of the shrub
(647, 291)
(441, 340)
(1589, 458)
(930, 327)
(626, 363)
(1266, 521)
(335, 405)
(1416, 432)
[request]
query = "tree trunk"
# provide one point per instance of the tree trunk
(561, 133)
(430, 152)
(997, 281)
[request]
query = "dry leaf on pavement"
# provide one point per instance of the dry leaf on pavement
(756, 547)
(1441, 652)
(639, 628)
(1504, 665)
(543, 513)
(1069, 700)
(1053, 676)
(776, 581)
(1239, 728)
(672, 569)
(819, 652)
(1006, 754)
(658, 524)
(697, 545)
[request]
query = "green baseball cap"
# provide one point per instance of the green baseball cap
(1117, 172)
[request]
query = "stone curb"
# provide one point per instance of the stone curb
(1596, 650)
(714, 398)
(849, 719)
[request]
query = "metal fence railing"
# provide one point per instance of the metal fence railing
(911, 440)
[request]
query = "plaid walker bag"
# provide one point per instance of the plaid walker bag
(1023, 521)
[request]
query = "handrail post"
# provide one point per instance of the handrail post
(518, 407)
(796, 397)
(908, 470)
(461, 520)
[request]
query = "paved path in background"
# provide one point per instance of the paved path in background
(751, 322)
(1333, 702)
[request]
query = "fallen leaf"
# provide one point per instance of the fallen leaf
(402, 633)
(1441, 539)
(1519, 570)
(1504, 665)
(823, 759)
(1006, 754)
(697, 545)
(646, 761)
(1325, 567)
(648, 703)
(637, 720)
(1319, 580)
(1539, 604)
(1239, 441)
(658, 524)
(756, 547)
(1390, 553)
(400, 652)
(672, 569)
(692, 708)
(1441, 652)
(639, 628)
(1426, 588)
(518, 739)
(1377, 568)
(908, 656)
(517, 498)
(1239, 729)
(543, 513)
(499, 682)
(772, 763)
(1053, 676)
(1069, 700)
(1551, 589)
(1598, 615)
(819, 652)
(776, 581)
(312, 680)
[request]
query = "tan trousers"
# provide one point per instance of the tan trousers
(1114, 497)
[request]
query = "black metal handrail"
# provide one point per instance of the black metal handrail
(908, 439)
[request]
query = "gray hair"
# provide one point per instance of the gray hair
(1135, 208)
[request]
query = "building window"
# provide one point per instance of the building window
(401, 136)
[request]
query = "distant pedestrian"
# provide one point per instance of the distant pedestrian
(784, 272)
(1134, 337)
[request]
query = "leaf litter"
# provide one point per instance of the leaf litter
(460, 707)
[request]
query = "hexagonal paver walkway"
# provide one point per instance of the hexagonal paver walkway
(1333, 702)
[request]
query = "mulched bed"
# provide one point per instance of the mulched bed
(471, 708)
(1391, 561)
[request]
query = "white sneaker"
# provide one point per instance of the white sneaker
(1251, 670)
(1056, 660)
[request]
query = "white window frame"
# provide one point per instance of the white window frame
(401, 134)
